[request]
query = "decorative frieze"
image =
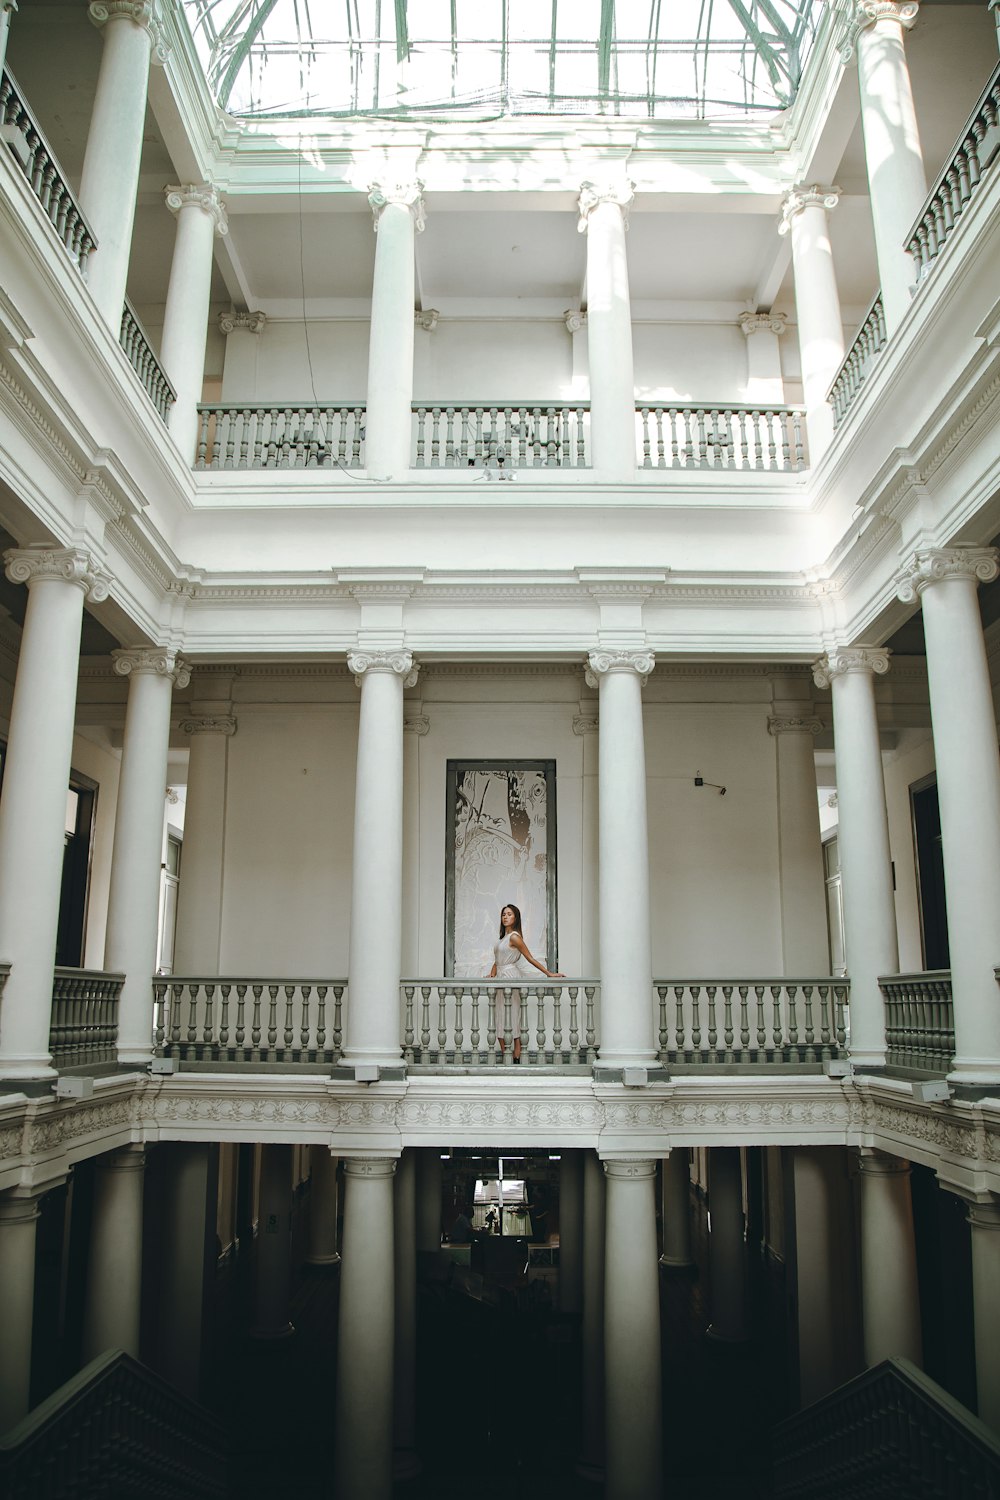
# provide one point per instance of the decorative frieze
(400, 662)
(208, 724)
(250, 322)
(593, 194)
(403, 195)
(794, 724)
(203, 195)
(932, 564)
(141, 13)
(850, 659)
(599, 663)
(71, 564)
(158, 661)
(799, 198)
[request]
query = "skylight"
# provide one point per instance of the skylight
(653, 59)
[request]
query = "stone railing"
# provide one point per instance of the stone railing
(465, 1022)
(241, 436)
(144, 362)
(115, 1428)
(83, 1030)
(764, 1023)
(522, 435)
(722, 437)
(894, 1426)
(978, 146)
(869, 341)
(284, 1023)
(23, 138)
(919, 1021)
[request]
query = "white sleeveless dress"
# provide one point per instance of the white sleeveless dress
(511, 965)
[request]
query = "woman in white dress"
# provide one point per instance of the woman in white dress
(510, 961)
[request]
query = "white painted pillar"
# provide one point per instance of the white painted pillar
(626, 947)
(984, 1219)
(323, 1208)
(7, 9)
(134, 892)
(604, 220)
(889, 1297)
(571, 1232)
(199, 896)
(817, 304)
(727, 1266)
(632, 1371)
(200, 217)
(18, 1218)
(110, 177)
(405, 1462)
(863, 838)
(399, 216)
(676, 1210)
(591, 1462)
(765, 385)
(363, 1419)
(35, 786)
(968, 778)
(804, 937)
(273, 1249)
(114, 1270)
(372, 1031)
(896, 178)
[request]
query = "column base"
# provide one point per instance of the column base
(27, 1070)
(976, 1070)
(271, 1335)
(406, 1464)
(867, 1062)
(135, 1059)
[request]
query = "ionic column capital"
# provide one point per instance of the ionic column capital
(141, 12)
(576, 320)
(759, 322)
(427, 319)
(418, 724)
(600, 663)
(250, 322)
(203, 195)
(69, 564)
(224, 724)
(932, 564)
(151, 661)
(370, 1166)
(399, 662)
(794, 724)
(868, 13)
(403, 195)
(863, 659)
(630, 1168)
(585, 724)
(593, 194)
(797, 199)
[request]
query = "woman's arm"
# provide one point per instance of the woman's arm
(493, 972)
(518, 942)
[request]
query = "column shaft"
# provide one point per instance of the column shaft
(7, 8)
(405, 1461)
(18, 1218)
(676, 1210)
(817, 305)
(727, 1268)
(609, 333)
(114, 1270)
(199, 897)
(200, 217)
(570, 1232)
(632, 1406)
(804, 939)
(890, 1303)
(390, 349)
(323, 1208)
(273, 1264)
(984, 1219)
(591, 1463)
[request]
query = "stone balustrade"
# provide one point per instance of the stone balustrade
(525, 435)
(275, 1023)
(722, 437)
(144, 362)
(83, 1030)
(869, 341)
(22, 136)
(762, 1023)
(461, 1022)
(919, 1021)
(245, 436)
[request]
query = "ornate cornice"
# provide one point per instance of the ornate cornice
(71, 564)
(794, 724)
(208, 724)
(759, 322)
(932, 564)
(399, 662)
(203, 195)
(151, 661)
(869, 659)
(799, 198)
(593, 194)
(403, 195)
(142, 13)
(600, 663)
(249, 322)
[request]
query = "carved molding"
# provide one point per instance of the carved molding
(631, 1168)
(370, 1166)
(593, 194)
(151, 661)
(850, 659)
(400, 662)
(203, 195)
(209, 724)
(599, 663)
(70, 564)
(932, 564)
(141, 12)
(800, 198)
(794, 724)
(249, 322)
(403, 195)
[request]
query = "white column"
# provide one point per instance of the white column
(727, 1268)
(199, 896)
(604, 220)
(399, 216)
(35, 786)
(632, 1371)
(110, 177)
(676, 1210)
(889, 1298)
(804, 939)
(626, 946)
(362, 1445)
(114, 1270)
(863, 839)
(570, 1232)
(18, 1218)
(405, 1461)
(323, 1208)
(273, 1250)
(7, 9)
(765, 386)
(372, 1028)
(242, 331)
(200, 217)
(134, 893)
(591, 1462)
(984, 1219)
(895, 163)
(994, 6)
(817, 304)
(968, 779)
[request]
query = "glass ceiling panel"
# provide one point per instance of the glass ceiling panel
(485, 59)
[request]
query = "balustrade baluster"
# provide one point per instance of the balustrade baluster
(810, 1030)
(442, 1036)
(825, 1022)
(761, 1027)
(225, 991)
(272, 1017)
(176, 1000)
(536, 440)
(508, 1035)
(840, 996)
(305, 1048)
(574, 1024)
(479, 449)
(425, 1020)
(322, 990)
(647, 461)
(682, 456)
(419, 461)
(526, 998)
(258, 990)
(435, 437)
(793, 1023)
(557, 1026)
(695, 992)
(680, 1030)
(581, 451)
(776, 1038)
(159, 1016)
(590, 991)
(208, 1025)
(713, 1031)
(744, 990)
(662, 991)
(491, 1026)
(338, 1019)
(408, 1022)
(474, 1032)
(727, 995)
(192, 1026)
(459, 994)
(241, 1030)
(289, 1035)
(449, 437)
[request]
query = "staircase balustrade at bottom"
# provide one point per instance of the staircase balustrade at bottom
(471, 1023)
(752, 1023)
(294, 1024)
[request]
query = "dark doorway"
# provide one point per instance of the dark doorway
(930, 873)
(80, 805)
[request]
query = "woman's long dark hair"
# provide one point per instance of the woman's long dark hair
(517, 917)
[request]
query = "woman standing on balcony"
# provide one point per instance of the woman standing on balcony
(510, 961)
